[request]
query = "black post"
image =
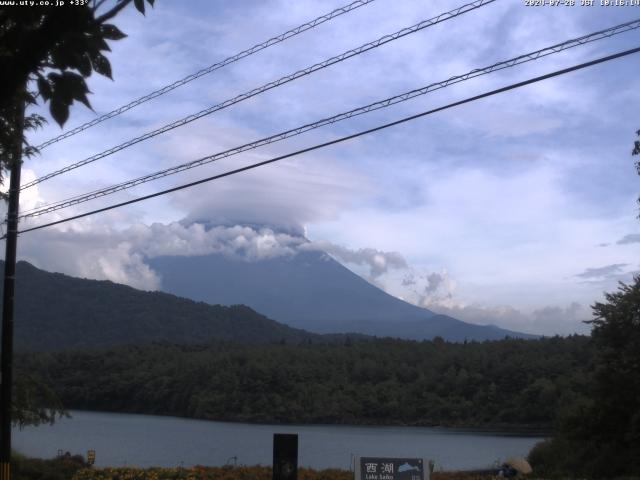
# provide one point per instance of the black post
(6, 367)
(285, 456)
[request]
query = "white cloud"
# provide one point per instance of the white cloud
(119, 255)
(549, 320)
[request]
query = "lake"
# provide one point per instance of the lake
(146, 440)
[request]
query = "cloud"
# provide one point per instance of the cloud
(98, 255)
(408, 280)
(631, 238)
(600, 272)
(119, 255)
(561, 320)
(379, 262)
(421, 287)
(243, 242)
(434, 280)
(548, 320)
(438, 292)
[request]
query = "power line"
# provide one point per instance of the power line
(211, 68)
(336, 118)
(281, 81)
(342, 139)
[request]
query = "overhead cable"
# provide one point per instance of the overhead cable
(281, 81)
(334, 119)
(211, 68)
(341, 139)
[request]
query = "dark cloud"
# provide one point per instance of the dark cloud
(631, 238)
(606, 271)
(434, 280)
(408, 280)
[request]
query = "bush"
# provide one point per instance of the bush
(203, 473)
(60, 468)
(549, 457)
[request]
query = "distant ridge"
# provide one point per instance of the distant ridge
(56, 312)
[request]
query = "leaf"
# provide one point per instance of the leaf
(84, 65)
(139, 5)
(151, 2)
(101, 65)
(34, 121)
(82, 97)
(111, 32)
(58, 59)
(29, 151)
(75, 82)
(99, 43)
(29, 98)
(72, 87)
(59, 111)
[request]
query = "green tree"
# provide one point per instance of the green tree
(600, 436)
(615, 418)
(636, 151)
(46, 53)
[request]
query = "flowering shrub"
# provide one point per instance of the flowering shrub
(238, 473)
(203, 473)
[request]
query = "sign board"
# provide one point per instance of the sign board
(381, 468)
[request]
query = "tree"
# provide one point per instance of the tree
(636, 151)
(34, 401)
(51, 49)
(615, 417)
(46, 53)
(601, 437)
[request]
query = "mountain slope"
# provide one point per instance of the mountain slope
(55, 311)
(312, 291)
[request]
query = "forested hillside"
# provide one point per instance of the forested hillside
(55, 311)
(498, 383)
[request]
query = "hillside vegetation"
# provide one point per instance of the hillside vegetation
(498, 383)
(56, 312)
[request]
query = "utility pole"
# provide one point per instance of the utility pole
(6, 367)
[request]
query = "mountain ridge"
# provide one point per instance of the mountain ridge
(55, 311)
(312, 291)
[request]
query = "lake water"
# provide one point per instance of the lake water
(146, 440)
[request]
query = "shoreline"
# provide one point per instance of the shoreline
(494, 429)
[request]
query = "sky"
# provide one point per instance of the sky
(517, 210)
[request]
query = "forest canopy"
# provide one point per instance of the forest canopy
(383, 381)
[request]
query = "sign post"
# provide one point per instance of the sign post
(382, 468)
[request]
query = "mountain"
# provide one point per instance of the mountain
(55, 312)
(311, 290)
